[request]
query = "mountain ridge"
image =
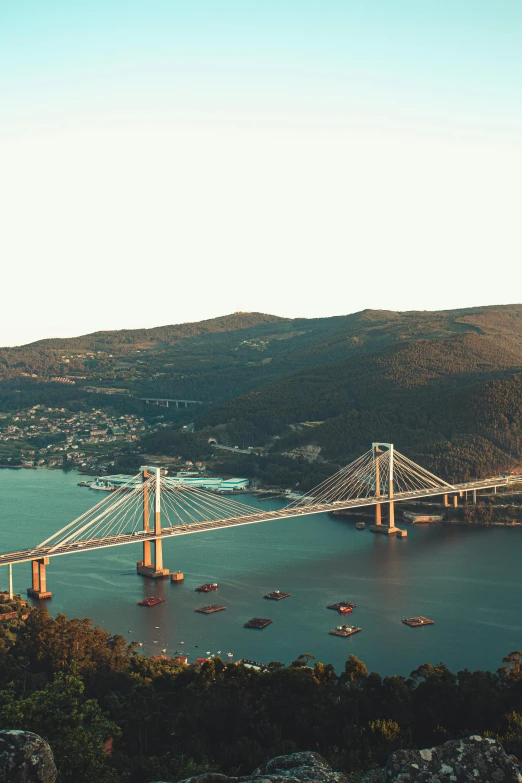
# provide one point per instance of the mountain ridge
(371, 375)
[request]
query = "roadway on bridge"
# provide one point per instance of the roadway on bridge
(246, 519)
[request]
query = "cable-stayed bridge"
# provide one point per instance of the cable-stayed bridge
(152, 506)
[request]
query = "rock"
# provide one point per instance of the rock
(305, 767)
(374, 776)
(25, 758)
(207, 777)
(283, 764)
(472, 760)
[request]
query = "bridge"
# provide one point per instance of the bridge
(152, 507)
(164, 401)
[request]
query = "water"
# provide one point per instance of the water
(468, 581)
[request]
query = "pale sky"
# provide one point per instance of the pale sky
(173, 161)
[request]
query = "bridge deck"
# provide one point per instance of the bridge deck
(246, 519)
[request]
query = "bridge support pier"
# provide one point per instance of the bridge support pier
(152, 567)
(474, 496)
(455, 501)
(388, 528)
(39, 579)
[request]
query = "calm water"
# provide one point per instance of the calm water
(469, 582)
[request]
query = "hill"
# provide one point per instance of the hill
(440, 384)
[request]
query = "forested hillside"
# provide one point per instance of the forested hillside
(444, 386)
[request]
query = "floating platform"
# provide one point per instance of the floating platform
(210, 609)
(277, 595)
(207, 588)
(416, 622)
(342, 606)
(177, 576)
(150, 601)
(344, 630)
(257, 622)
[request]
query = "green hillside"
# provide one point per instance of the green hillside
(443, 385)
(454, 403)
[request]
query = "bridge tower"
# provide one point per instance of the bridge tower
(152, 565)
(38, 588)
(384, 483)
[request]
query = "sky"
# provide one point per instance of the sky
(171, 161)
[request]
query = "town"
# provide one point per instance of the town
(44, 437)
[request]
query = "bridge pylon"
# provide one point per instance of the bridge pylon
(152, 564)
(383, 477)
(38, 588)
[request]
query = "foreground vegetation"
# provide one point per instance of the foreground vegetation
(113, 715)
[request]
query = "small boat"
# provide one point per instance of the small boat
(218, 652)
(345, 609)
(164, 650)
(150, 601)
(207, 652)
(140, 644)
(230, 655)
(360, 525)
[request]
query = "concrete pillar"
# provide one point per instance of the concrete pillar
(186, 406)
(10, 580)
(446, 500)
(455, 501)
(39, 579)
(146, 521)
(494, 490)
(43, 577)
(158, 555)
(391, 517)
(148, 566)
(35, 569)
(378, 510)
(391, 504)
(474, 496)
(177, 404)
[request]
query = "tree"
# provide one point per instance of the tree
(76, 729)
(355, 671)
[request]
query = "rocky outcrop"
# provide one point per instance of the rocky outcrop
(25, 758)
(472, 760)
(305, 767)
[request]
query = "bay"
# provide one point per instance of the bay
(468, 581)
